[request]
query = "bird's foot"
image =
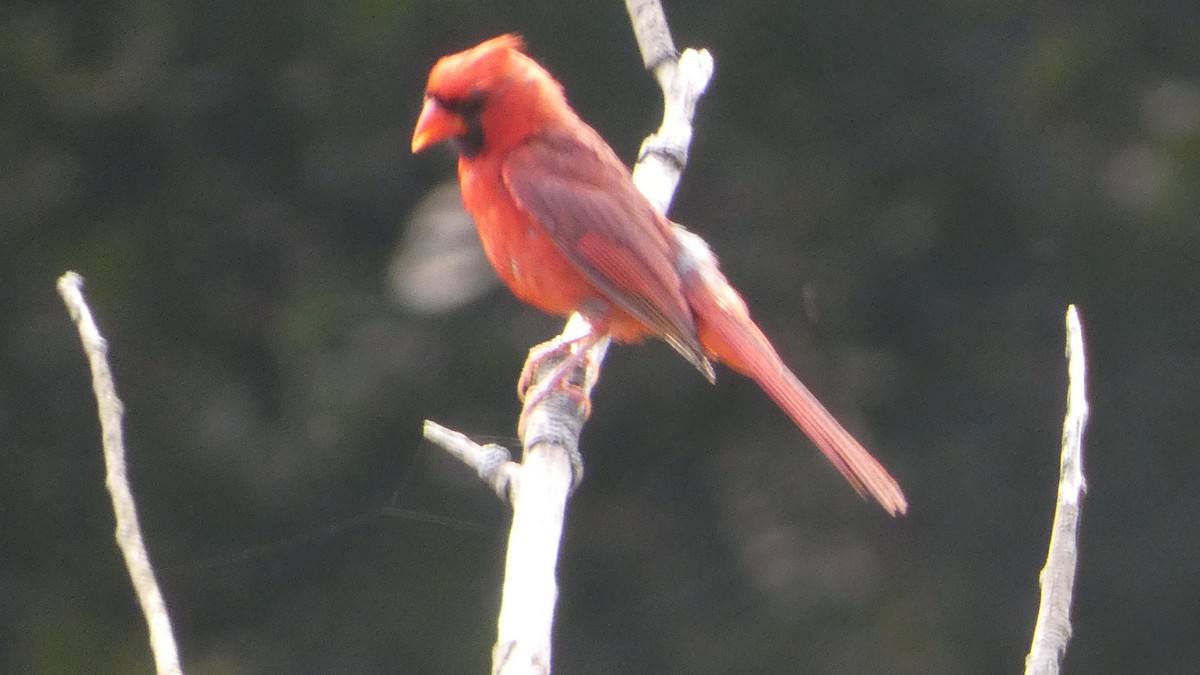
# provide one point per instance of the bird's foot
(578, 351)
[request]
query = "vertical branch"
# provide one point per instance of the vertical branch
(538, 491)
(683, 80)
(129, 533)
(1053, 628)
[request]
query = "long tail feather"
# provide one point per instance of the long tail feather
(729, 335)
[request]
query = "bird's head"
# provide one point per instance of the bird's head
(491, 94)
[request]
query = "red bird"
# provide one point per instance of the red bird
(567, 231)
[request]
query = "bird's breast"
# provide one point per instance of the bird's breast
(524, 256)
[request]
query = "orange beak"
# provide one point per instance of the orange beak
(436, 124)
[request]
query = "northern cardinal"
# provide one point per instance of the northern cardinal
(567, 231)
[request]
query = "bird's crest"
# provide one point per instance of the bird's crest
(478, 68)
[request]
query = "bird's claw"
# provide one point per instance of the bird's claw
(538, 354)
(578, 350)
(540, 392)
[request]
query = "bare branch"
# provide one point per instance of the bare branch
(129, 533)
(652, 32)
(1053, 628)
(683, 80)
(492, 462)
(539, 493)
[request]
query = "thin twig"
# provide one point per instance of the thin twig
(1053, 628)
(538, 488)
(492, 462)
(129, 533)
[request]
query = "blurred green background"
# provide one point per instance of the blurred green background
(908, 197)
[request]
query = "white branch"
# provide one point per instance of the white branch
(683, 80)
(539, 487)
(492, 462)
(129, 533)
(538, 494)
(1053, 628)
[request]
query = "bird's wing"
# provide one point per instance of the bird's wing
(573, 185)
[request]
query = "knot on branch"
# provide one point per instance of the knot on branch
(674, 154)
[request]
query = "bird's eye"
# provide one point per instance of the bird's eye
(467, 106)
(473, 104)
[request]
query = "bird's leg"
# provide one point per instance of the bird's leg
(579, 351)
(547, 349)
